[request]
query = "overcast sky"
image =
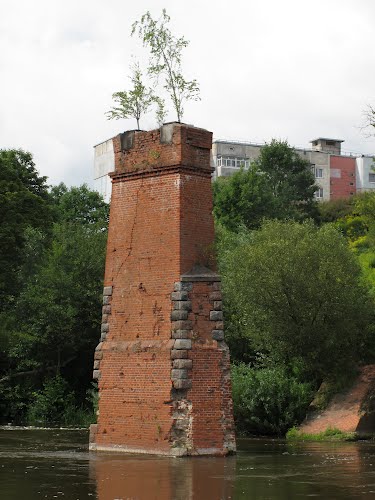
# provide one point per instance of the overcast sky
(291, 69)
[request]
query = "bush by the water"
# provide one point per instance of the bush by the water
(55, 405)
(268, 400)
(293, 292)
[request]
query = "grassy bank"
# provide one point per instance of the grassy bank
(330, 434)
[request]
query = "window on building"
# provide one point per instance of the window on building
(317, 172)
(319, 193)
(351, 183)
(330, 143)
(371, 177)
(229, 161)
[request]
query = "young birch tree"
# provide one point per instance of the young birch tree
(165, 59)
(135, 102)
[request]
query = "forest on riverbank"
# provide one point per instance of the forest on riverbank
(298, 289)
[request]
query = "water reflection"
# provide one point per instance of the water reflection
(56, 464)
(119, 477)
(262, 470)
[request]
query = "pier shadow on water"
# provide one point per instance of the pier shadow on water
(48, 464)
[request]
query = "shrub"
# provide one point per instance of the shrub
(49, 404)
(268, 400)
(14, 399)
(54, 405)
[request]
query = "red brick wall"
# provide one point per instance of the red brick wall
(197, 226)
(343, 181)
(211, 393)
(160, 227)
(180, 145)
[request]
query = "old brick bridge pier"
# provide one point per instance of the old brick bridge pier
(162, 363)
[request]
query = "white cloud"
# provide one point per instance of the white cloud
(290, 69)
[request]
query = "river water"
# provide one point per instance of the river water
(49, 464)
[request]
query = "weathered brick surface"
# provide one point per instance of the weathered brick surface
(188, 146)
(162, 366)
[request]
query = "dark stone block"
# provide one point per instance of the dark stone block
(179, 315)
(216, 315)
(218, 335)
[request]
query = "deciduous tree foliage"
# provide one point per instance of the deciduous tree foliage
(24, 202)
(80, 205)
(332, 210)
(243, 200)
(165, 59)
(53, 325)
(64, 297)
(290, 176)
(295, 289)
(358, 226)
(135, 102)
(278, 185)
(268, 400)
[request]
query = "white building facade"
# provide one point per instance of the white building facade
(104, 163)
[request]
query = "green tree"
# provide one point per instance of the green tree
(364, 205)
(290, 179)
(165, 59)
(278, 185)
(332, 210)
(64, 297)
(296, 291)
(54, 324)
(359, 228)
(80, 205)
(24, 203)
(135, 102)
(243, 199)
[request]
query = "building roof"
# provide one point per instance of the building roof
(327, 139)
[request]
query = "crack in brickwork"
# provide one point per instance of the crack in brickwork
(130, 247)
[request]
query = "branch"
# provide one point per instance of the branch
(36, 371)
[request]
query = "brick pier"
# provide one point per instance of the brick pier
(162, 363)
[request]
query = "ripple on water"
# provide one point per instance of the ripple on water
(45, 463)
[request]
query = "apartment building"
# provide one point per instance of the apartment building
(337, 175)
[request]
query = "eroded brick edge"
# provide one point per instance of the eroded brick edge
(106, 312)
(181, 368)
